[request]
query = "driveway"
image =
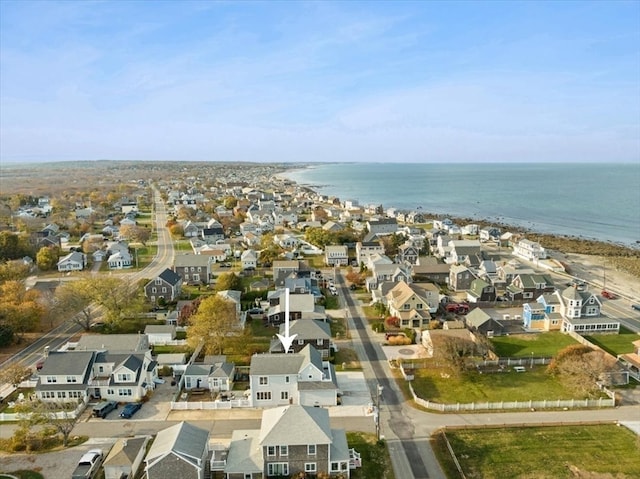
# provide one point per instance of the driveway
(53, 465)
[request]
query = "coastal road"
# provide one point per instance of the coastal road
(411, 454)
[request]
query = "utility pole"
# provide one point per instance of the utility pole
(378, 394)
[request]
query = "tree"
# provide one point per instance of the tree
(14, 374)
(214, 324)
(135, 233)
(117, 297)
(19, 308)
(453, 352)
(12, 246)
(74, 300)
(10, 271)
(59, 416)
(47, 257)
(228, 281)
(580, 368)
(319, 237)
(176, 230)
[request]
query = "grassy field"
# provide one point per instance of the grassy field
(376, 462)
(534, 384)
(349, 358)
(616, 343)
(603, 451)
(540, 344)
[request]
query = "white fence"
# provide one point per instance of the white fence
(200, 405)
(544, 404)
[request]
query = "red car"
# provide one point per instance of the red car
(608, 294)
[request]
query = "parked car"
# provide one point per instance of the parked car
(104, 408)
(255, 311)
(130, 409)
(608, 294)
(636, 307)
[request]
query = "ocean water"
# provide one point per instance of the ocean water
(598, 201)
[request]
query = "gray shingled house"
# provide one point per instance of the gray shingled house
(180, 451)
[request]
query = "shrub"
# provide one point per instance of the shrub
(392, 322)
(378, 327)
(399, 340)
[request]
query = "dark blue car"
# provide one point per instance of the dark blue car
(130, 409)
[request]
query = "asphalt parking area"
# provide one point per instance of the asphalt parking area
(354, 388)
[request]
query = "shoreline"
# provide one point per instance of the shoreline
(633, 248)
(622, 257)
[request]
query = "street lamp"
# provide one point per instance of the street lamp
(378, 394)
(531, 360)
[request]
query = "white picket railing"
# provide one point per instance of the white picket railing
(203, 405)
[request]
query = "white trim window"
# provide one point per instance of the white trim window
(278, 469)
(263, 395)
(311, 449)
(310, 467)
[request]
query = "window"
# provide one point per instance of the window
(335, 466)
(311, 450)
(110, 392)
(62, 394)
(284, 450)
(284, 395)
(278, 469)
(319, 342)
(419, 306)
(124, 392)
(263, 395)
(309, 467)
(52, 379)
(154, 290)
(186, 277)
(164, 290)
(123, 377)
(406, 306)
(271, 450)
(71, 379)
(263, 380)
(158, 281)
(300, 341)
(286, 379)
(101, 369)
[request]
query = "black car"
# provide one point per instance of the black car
(636, 307)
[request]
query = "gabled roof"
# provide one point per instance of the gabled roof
(183, 439)
(182, 260)
(125, 451)
(245, 453)
(73, 363)
(170, 277)
(295, 425)
(307, 329)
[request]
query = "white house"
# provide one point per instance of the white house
(529, 250)
(298, 378)
(74, 261)
(249, 259)
(336, 255)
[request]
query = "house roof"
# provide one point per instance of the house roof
(125, 451)
(160, 328)
(245, 453)
(74, 256)
(308, 329)
(477, 318)
(113, 342)
(184, 439)
(295, 425)
(182, 260)
(170, 277)
(73, 363)
(403, 292)
(268, 364)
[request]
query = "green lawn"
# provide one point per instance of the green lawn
(348, 357)
(615, 343)
(545, 452)
(534, 384)
(540, 344)
(182, 245)
(376, 462)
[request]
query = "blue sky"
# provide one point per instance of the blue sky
(320, 81)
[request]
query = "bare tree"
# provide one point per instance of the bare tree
(14, 374)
